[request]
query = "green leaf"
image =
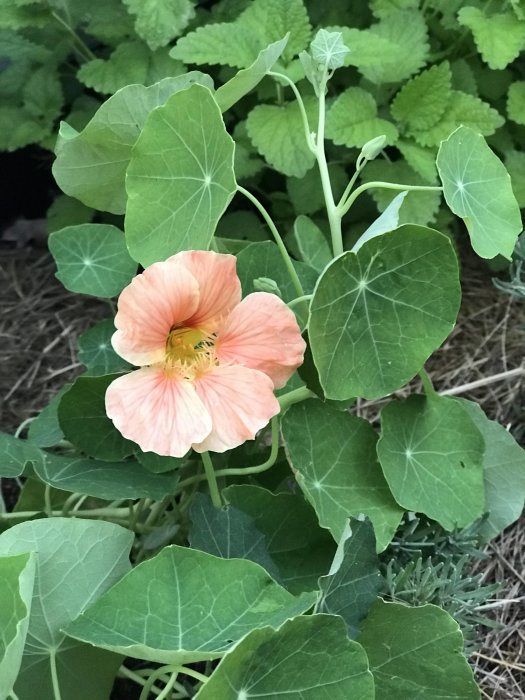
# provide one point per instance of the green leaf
(301, 550)
(82, 417)
(96, 352)
(308, 658)
(352, 120)
(431, 453)
(499, 37)
(515, 164)
(157, 23)
(158, 464)
(17, 577)
(92, 259)
(228, 533)
(400, 287)
(277, 132)
(422, 101)
(416, 653)
(13, 15)
(421, 160)
(237, 43)
(245, 80)
(306, 193)
(328, 49)
(76, 561)
(180, 178)
(516, 102)
(333, 456)
(66, 211)
(311, 243)
(45, 430)
(91, 165)
(383, 8)
(16, 454)
(384, 223)
(354, 581)
(478, 189)
(153, 613)
(503, 474)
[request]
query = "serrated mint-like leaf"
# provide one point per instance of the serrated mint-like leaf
(180, 178)
(76, 561)
(416, 653)
(382, 8)
(499, 37)
(96, 352)
(421, 160)
(352, 120)
(462, 109)
(92, 259)
(82, 417)
(159, 21)
(311, 243)
(306, 193)
(277, 132)
(351, 588)
(16, 16)
(91, 165)
(477, 188)
(503, 474)
(401, 290)
(154, 614)
(515, 164)
(516, 102)
(333, 456)
(301, 550)
(308, 658)
(328, 48)
(422, 101)
(431, 453)
(16, 453)
(237, 43)
(385, 222)
(17, 577)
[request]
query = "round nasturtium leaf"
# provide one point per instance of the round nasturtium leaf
(92, 259)
(377, 315)
(96, 352)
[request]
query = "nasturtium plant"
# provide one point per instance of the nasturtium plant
(276, 238)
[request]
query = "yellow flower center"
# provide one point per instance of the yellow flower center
(189, 352)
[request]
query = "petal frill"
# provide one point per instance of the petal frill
(161, 414)
(240, 402)
(219, 286)
(262, 333)
(165, 294)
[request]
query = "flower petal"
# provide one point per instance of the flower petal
(262, 333)
(165, 294)
(240, 402)
(161, 414)
(219, 286)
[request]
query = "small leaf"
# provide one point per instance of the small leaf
(478, 189)
(516, 102)
(431, 453)
(308, 658)
(333, 456)
(515, 164)
(311, 243)
(327, 48)
(157, 23)
(16, 454)
(422, 101)
(92, 259)
(352, 120)
(421, 160)
(154, 614)
(180, 178)
(45, 430)
(499, 37)
(416, 653)
(384, 223)
(96, 352)
(66, 211)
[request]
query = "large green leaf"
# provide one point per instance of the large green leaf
(96, 352)
(416, 653)
(431, 453)
(477, 188)
(308, 658)
(354, 579)
(82, 417)
(17, 577)
(301, 549)
(180, 178)
(422, 101)
(503, 474)
(333, 456)
(91, 165)
(376, 315)
(160, 21)
(352, 120)
(499, 37)
(184, 606)
(92, 259)
(76, 561)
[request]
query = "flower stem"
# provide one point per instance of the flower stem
(54, 674)
(345, 206)
(294, 302)
(83, 49)
(294, 396)
(211, 478)
(277, 236)
(166, 692)
(306, 125)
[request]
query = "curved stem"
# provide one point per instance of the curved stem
(359, 167)
(86, 51)
(298, 300)
(295, 396)
(277, 236)
(344, 207)
(54, 674)
(211, 478)
(304, 116)
(194, 674)
(166, 691)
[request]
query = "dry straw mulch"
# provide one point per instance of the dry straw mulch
(40, 323)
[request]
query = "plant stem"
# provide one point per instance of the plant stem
(211, 479)
(277, 236)
(54, 674)
(294, 302)
(166, 692)
(359, 167)
(427, 384)
(194, 674)
(304, 116)
(94, 513)
(85, 50)
(48, 508)
(344, 207)
(294, 396)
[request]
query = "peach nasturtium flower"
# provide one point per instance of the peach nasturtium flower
(209, 362)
